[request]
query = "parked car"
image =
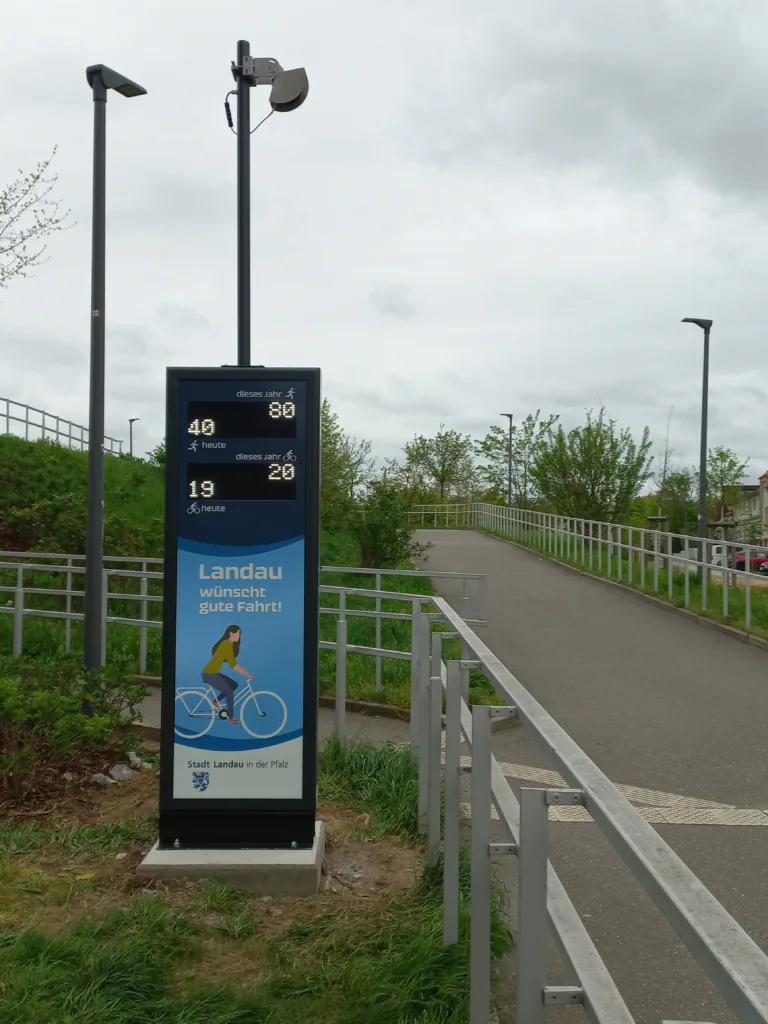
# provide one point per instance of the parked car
(763, 568)
(715, 553)
(757, 559)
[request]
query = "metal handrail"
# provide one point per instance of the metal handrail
(734, 963)
(19, 610)
(613, 549)
(78, 440)
(730, 958)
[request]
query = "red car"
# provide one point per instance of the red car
(756, 559)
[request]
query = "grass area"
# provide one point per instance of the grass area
(212, 954)
(43, 507)
(619, 570)
(395, 635)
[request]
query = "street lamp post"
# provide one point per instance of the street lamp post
(706, 326)
(509, 453)
(101, 79)
(289, 90)
(131, 421)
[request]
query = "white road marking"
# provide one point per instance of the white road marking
(727, 816)
(657, 807)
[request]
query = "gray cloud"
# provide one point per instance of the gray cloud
(636, 92)
(393, 300)
(185, 318)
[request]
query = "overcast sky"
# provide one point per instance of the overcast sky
(480, 208)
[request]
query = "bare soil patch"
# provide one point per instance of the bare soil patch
(51, 888)
(62, 802)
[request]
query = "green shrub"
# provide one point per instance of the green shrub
(50, 714)
(382, 529)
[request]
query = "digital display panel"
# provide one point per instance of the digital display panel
(262, 481)
(268, 419)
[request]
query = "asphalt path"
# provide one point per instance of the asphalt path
(657, 701)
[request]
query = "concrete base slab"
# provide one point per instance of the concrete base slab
(264, 872)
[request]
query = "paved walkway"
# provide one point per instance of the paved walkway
(359, 727)
(665, 707)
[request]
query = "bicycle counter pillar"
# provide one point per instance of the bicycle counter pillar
(240, 630)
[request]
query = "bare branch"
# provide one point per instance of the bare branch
(27, 216)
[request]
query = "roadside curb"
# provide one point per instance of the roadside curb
(357, 707)
(701, 620)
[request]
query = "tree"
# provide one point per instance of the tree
(594, 471)
(677, 500)
(157, 455)
(381, 526)
(527, 440)
(724, 476)
(27, 216)
(345, 463)
(441, 459)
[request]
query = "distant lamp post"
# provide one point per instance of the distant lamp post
(706, 326)
(131, 421)
(101, 79)
(509, 453)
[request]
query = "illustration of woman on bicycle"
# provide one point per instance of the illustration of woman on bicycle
(225, 651)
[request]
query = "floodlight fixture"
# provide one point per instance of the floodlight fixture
(101, 75)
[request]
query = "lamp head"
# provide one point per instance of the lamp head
(704, 324)
(113, 80)
(289, 90)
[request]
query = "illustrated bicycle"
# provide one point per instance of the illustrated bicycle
(262, 713)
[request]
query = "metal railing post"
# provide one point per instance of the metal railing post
(480, 870)
(532, 906)
(619, 538)
(423, 723)
(104, 614)
(143, 629)
(416, 616)
(18, 614)
(378, 634)
(670, 581)
(435, 753)
(747, 594)
(464, 676)
(609, 550)
(68, 607)
(643, 556)
(452, 814)
(599, 548)
(687, 569)
(341, 670)
(630, 556)
(656, 561)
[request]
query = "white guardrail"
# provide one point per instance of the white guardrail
(735, 965)
(625, 553)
